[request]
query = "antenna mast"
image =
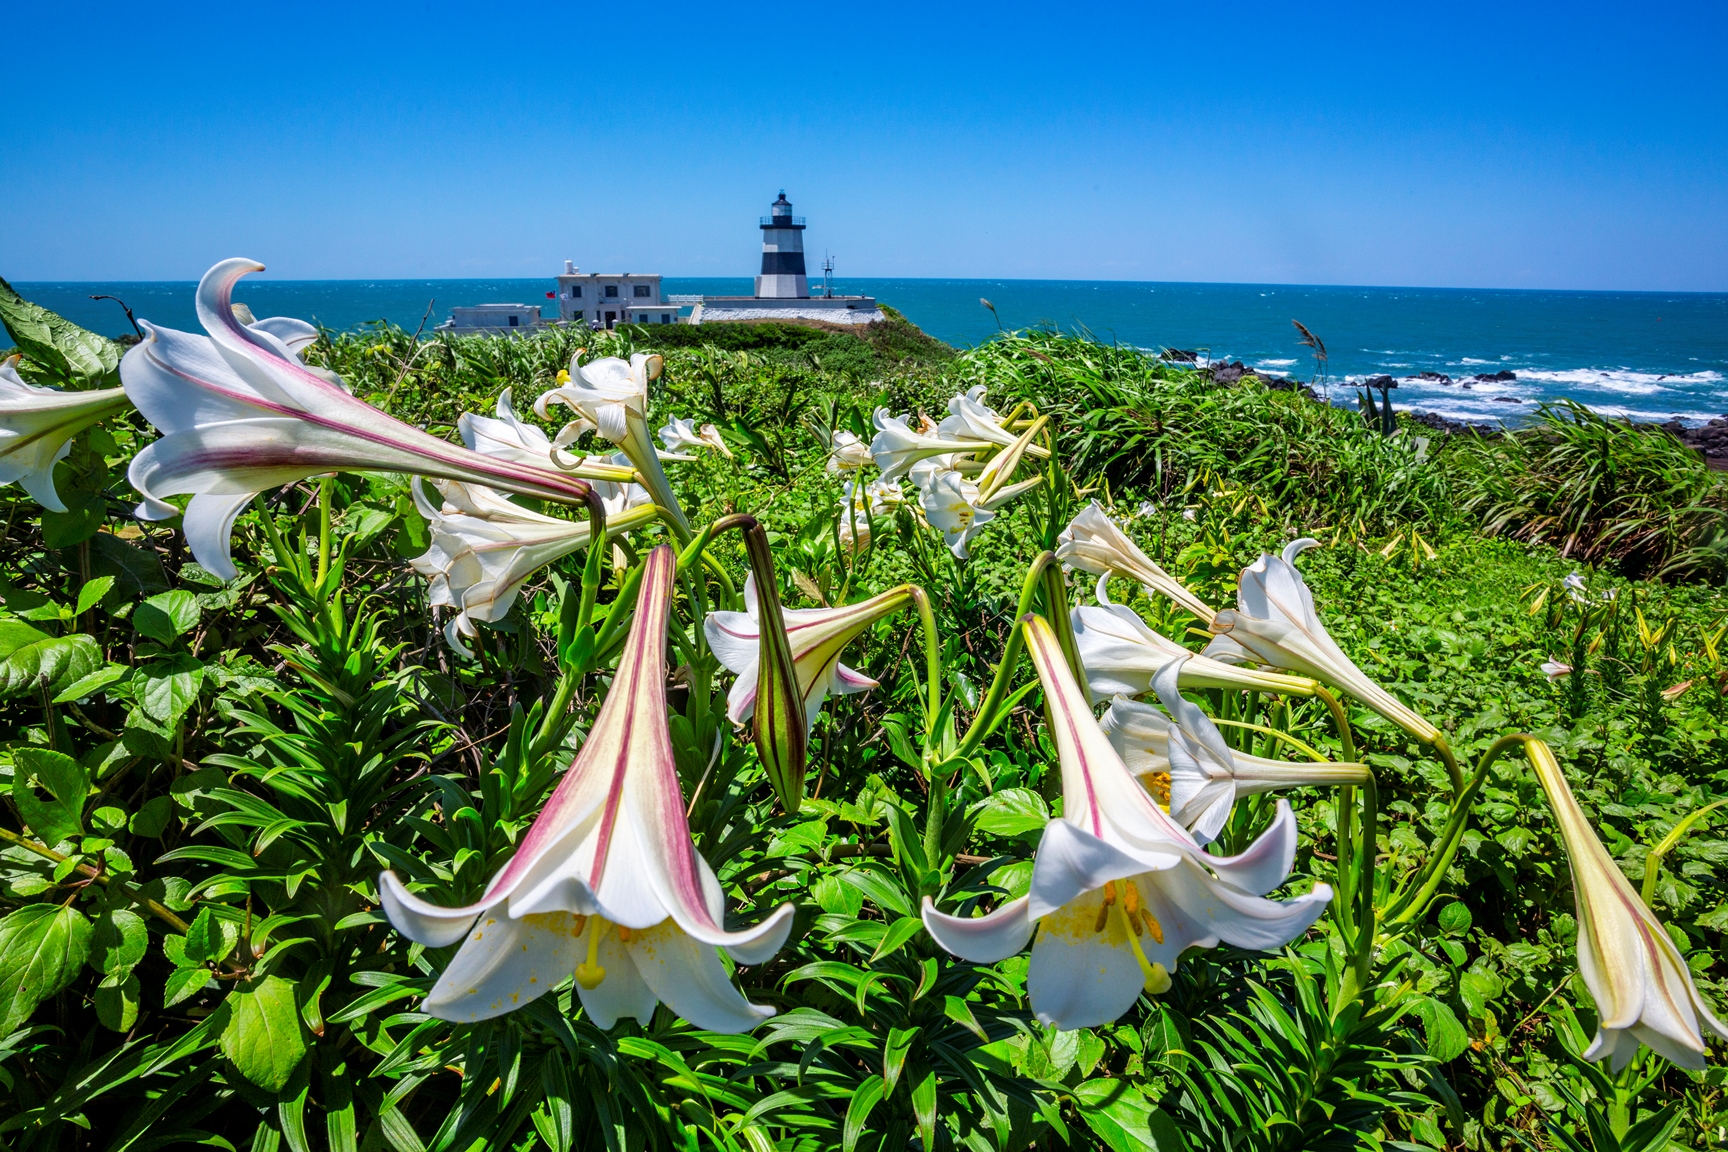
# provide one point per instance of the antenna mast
(828, 276)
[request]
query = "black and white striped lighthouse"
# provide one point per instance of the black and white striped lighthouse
(782, 254)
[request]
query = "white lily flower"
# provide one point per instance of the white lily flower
(612, 396)
(606, 883)
(860, 504)
(1119, 888)
(969, 418)
(896, 447)
(817, 636)
(1554, 669)
(507, 437)
(239, 414)
(616, 497)
(848, 453)
(1642, 986)
(952, 507)
(679, 435)
(1093, 543)
(1576, 590)
(1274, 623)
(1122, 654)
(1182, 759)
(37, 426)
(484, 547)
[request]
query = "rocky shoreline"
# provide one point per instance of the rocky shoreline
(1708, 440)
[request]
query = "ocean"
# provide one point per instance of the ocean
(1647, 355)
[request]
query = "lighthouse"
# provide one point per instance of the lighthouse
(782, 275)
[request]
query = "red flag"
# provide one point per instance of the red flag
(551, 295)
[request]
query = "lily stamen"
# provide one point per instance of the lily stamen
(1104, 910)
(589, 973)
(1157, 977)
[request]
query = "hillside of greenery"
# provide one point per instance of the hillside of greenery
(205, 778)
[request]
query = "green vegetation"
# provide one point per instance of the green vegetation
(203, 780)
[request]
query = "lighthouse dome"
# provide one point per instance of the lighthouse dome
(782, 206)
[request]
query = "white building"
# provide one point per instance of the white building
(492, 319)
(605, 300)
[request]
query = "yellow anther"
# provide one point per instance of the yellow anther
(623, 934)
(1158, 783)
(589, 973)
(1152, 925)
(1130, 898)
(1104, 909)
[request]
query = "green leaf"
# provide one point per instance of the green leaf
(166, 615)
(42, 947)
(210, 938)
(924, 1109)
(864, 1101)
(118, 942)
(36, 661)
(897, 935)
(1121, 1116)
(72, 355)
(1011, 812)
(183, 982)
(167, 687)
(64, 779)
(1442, 1034)
(85, 512)
(136, 572)
(263, 1037)
(117, 1002)
(89, 685)
(1476, 989)
(1455, 919)
(152, 819)
(91, 594)
(894, 1052)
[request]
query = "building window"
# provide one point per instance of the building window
(514, 322)
(665, 317)
(611, 291)
(576, 292)
(642, 290)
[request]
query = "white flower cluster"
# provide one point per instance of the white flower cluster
(960, 468)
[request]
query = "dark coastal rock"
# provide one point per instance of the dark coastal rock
(1230, 373)
(1179, 356)
(1434, 377)
(1507, 400)
(1289, 384)
(1381, 381)
(1454, 427)
(1500, 377)
(1709, 441)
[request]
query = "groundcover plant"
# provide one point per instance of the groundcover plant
(833, 741)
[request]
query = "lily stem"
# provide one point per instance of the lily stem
(1427, 881)
(324, 528)
(932, 661)
(984, 721)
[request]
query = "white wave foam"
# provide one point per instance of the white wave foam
(1273, 363)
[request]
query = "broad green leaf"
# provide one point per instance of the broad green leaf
(210, 938)
(85, 512)
(1455, 919)
(136, 571)
(65, 780)
(91, 684)
(1011, 812)
(118, 942)
(1442, 1034)
(117, 1002)
(167, 687)
(183, 982)
(43, 661)
(91, 594)
(924, 1109)
(166, 615)
(263, 1036)
(1120, 1115)
(70, 354)
(42, 947)
(150, 820)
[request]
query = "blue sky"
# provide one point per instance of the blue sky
(1506, 145)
